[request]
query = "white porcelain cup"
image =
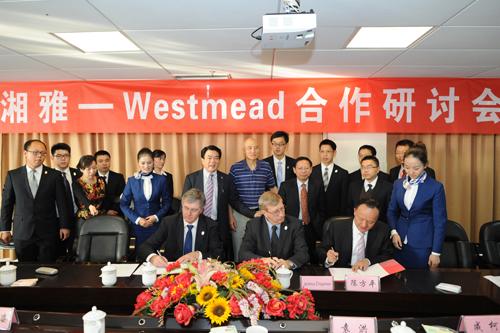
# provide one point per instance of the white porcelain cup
(8, 274)
(256, 329)
(284, 277)
(94, 321)
(108, 275)
(148, 274)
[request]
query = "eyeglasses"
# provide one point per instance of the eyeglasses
(278, 211)
(61, 156)
(275, 144)
(37, 153)
(368, 167)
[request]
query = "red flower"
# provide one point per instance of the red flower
(235, 307)
(142, 299)
(173, 266)
(183, 314)
(219, 277)
(183, 279)
(275, 307)
(158, 306)
(163, 283)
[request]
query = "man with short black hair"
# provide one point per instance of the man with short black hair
(334, 178)
(61, 157)
(371, 187)
(32, 197)
(115, 183)
(219, 191)
(358, 243)
(363, 151)
(281, 164)
(401, 148)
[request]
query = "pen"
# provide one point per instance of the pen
(162, 257)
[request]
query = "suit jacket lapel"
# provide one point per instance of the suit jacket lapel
(198, 180)
(43, 179)
(24, 174)
(201, 233)
(284, 239)
(370, 240)
(348, 244)
(180, 235)
(264, 232)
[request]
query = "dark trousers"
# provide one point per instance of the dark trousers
(37, 249)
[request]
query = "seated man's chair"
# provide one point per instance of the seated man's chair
(457, 250)
(103, 238)
(489, 239)
(326, 225)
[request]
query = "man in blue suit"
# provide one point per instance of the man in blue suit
(417, 214)
(151, 199)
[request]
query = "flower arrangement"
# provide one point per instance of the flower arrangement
(219, 291)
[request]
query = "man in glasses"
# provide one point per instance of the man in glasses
(32, 198)
(281, 164)
(61, 158)
(275, 236)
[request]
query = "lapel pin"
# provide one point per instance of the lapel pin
(286, 227)
(74, 174)
(336, 170)
(45, 172)
(203, 233)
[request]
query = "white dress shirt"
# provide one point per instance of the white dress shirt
(373, 183)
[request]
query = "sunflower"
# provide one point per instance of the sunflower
(218, 311)
(207, 294)
(245, 273)
(193, 289)
(236, 282)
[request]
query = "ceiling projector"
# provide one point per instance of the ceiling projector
(288, 30)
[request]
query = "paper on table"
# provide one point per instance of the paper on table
(125, 270)
(25, 283)
(159, 270)
(374, 270)
(494, 279)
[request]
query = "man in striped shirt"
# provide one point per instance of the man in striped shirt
(251, 177)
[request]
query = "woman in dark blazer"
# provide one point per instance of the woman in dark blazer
(151, 199)
(417, 214)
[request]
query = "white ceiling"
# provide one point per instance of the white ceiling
(200, 37)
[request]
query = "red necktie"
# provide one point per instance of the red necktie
(303, 204)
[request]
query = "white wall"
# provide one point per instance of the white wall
(349, 143)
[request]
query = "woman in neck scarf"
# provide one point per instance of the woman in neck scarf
(417, 214)
(151, 200)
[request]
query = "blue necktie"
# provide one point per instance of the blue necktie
(279, 174)
(188, 242)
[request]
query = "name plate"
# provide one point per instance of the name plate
(317, 282)
(8, 316)
(479, 324)
(358, 282)
(353, 324)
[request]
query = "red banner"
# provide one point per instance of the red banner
(393, 105)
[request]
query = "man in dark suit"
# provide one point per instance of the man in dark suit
(32, 198)
(275, 236)
(363, 151)
(61, 157)
(159, 157)
(186, 236)
(335, 180)
(373, 186)
(115, 183)
(219, 192)
(359, 243)
(281, 164)
(302, 197)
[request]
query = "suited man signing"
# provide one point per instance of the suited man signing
(281, 164)
(363, 151)
(371, 187)
(359, 243)
(417, 214)
(186, 236)
(276, 237)
(219, 193)
(335, 180)
(149, 193)
(115, 183)
(302, 197)
(32, 198)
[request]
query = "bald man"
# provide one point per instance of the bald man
(251, 178)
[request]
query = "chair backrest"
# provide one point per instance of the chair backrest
(175, 206)
(457, 250)
(489, 239)
(103, 238)
(326, 225)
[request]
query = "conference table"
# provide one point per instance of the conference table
(411, 293)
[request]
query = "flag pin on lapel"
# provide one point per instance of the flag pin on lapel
(286, 227)
(203, 233)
